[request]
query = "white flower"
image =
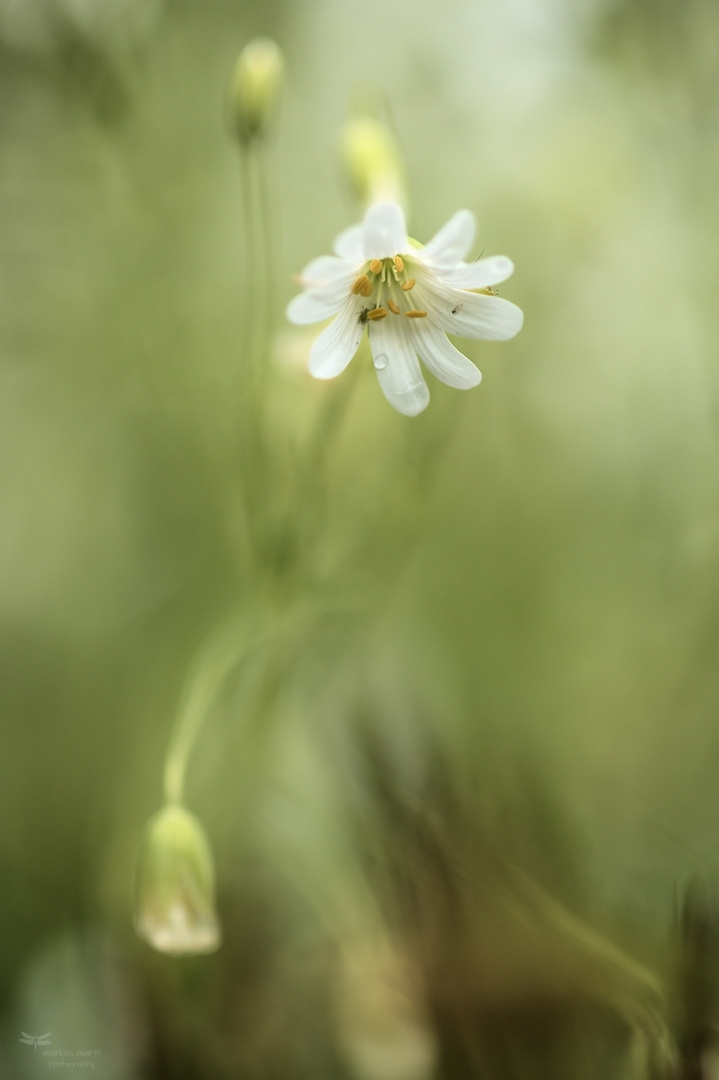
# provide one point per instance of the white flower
(409, 298)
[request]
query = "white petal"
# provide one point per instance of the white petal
(479, 275)
(467, 314)
(445, 362)
(337, 344)
(349, 244)
(397, 366)
(307, 308)
(328, 281)
(385, 233)
(451, 243)
(325, 271)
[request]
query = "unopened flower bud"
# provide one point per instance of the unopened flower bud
(175, 897)
(372, 161)
(254, 90)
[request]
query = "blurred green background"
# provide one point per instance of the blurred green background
(549, 642)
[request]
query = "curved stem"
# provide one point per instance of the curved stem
(227, 648)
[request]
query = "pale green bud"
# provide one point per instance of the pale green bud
(254, 90)
(372, 161)
(175, 889)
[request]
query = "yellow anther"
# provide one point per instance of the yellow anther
(416, 314)
(359, 285)
(393, 307)
(407, 285)
(376, 266)
(488, 291)
(367, 287)
(398, 263)
(377, 313)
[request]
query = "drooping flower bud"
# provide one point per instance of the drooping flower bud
(175, 888)
(254, 90)
(372, 161)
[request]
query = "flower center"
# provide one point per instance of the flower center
(388, 282)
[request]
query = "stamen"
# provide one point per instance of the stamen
(398, 263)
(377, 313)
(488, 291)
(376, 266)
(407, 285)
(416, 314)
(393, 307)
(360, 284)
(366, 287)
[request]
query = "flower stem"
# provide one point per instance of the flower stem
(254, 361)
(268, 205)
(228, 648)
(225, 650)
(325, 432)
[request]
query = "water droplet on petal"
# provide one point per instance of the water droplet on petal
(380, 362)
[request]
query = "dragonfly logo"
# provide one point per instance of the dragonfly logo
(36, 1040)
